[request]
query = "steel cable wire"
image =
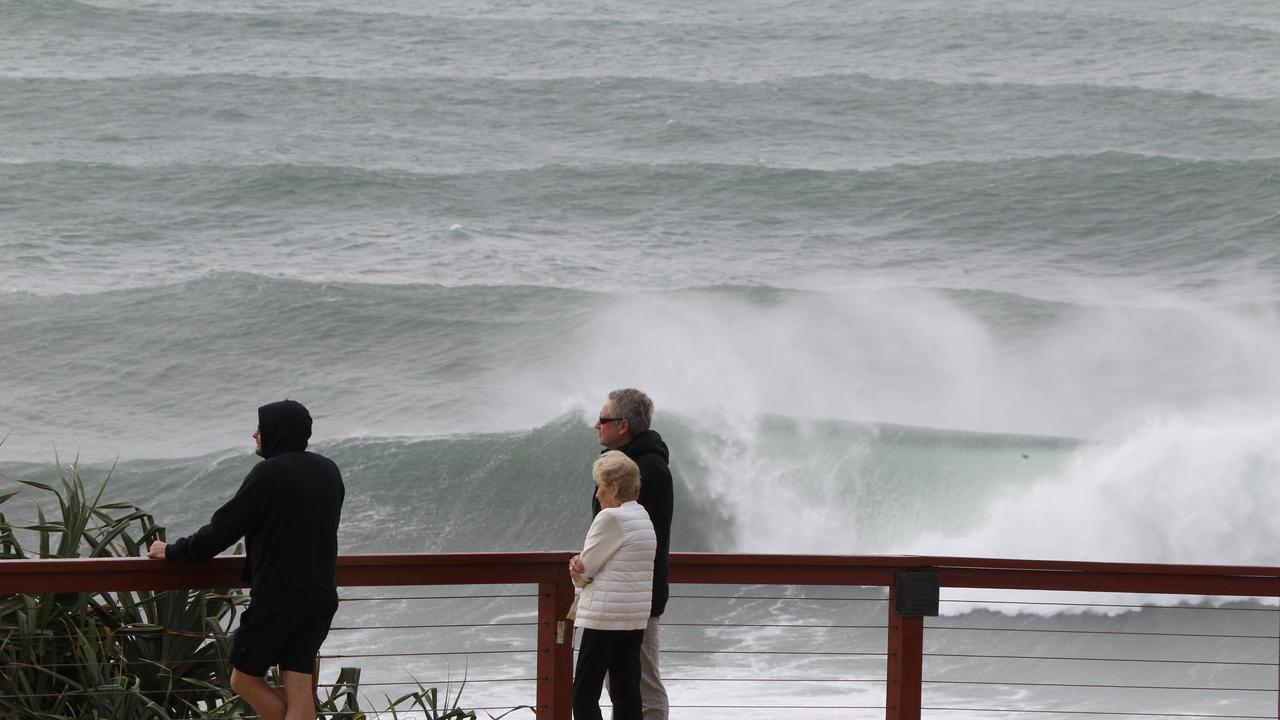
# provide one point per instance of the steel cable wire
(439, 653)
(1134, 633)
(777, 597)
(432, 627)
(437, 597)
(1099, 659)
(1108, 713)
(1092, 686)
(1107, 605)
(837, 653)
(774, 625)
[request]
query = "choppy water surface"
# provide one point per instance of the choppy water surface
(975, 278)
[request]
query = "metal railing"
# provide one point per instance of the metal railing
(1052, 657)
(957, 643)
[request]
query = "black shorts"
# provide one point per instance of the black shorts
(284, 635)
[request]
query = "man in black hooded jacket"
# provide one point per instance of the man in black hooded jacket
(624, 425)
(287, 510)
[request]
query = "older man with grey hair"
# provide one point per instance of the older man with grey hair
(624, 425)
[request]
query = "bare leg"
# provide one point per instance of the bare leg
(299, 688)
(264, 699)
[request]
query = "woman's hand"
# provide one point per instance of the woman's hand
(576, 569)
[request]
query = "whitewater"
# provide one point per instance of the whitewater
(953, 278)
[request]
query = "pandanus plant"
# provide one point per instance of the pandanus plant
(134, 655)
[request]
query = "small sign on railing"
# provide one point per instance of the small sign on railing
(916, 594)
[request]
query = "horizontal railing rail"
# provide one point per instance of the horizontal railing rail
(904, 649)
(76, 575)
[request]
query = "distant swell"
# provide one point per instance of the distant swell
(835, 91)
(530, 490)
(616, 186)
(795, 485)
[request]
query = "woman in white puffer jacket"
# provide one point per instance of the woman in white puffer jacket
(615, 572)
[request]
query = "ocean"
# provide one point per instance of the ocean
(979, 277)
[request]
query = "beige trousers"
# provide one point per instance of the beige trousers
(653, 694)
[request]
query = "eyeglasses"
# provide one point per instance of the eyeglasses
(605, 421)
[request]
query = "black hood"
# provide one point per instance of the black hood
(648, 442)
(283, 427)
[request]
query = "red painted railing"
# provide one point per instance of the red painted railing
(548, 570)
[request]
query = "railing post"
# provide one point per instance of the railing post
(555, 650)
(906, 647)
(912, 596)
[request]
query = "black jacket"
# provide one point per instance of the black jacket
(658, 498)
(287, 510)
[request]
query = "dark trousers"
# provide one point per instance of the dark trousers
(616, 652)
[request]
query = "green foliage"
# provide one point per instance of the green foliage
(344, 697)
(425, 702)
(107, 654)
(134, 655)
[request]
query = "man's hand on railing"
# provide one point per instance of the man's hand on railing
(156, 551)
